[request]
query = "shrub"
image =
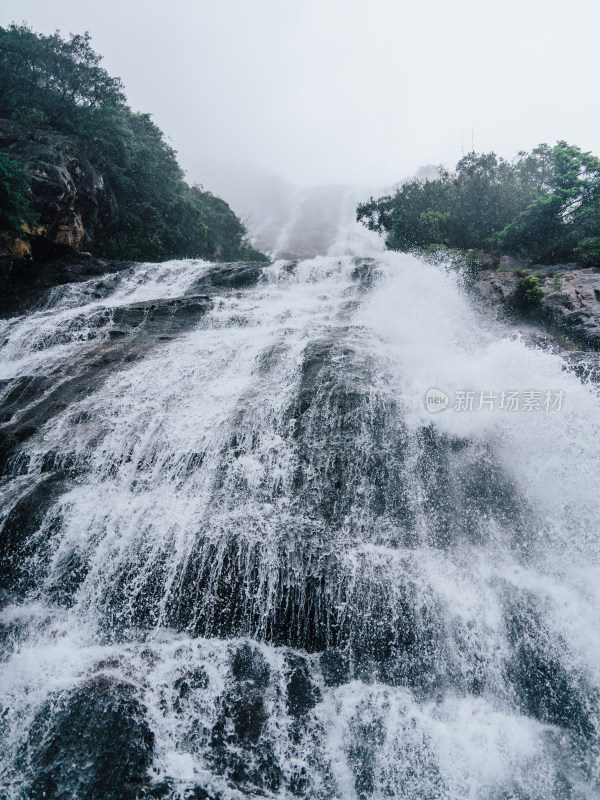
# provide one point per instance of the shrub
(528, 293)
(16, 214)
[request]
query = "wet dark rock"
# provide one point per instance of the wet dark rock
(586, 365)
(396, 641)
(366, 273)
(299, 781)
(271, 357)
(160, 317)
(547, 692)
(15, 394)
(544, 687)
(17, 532)
(354, 460)
(156, 791)
(224, 610)
(23, 432)
(236, 275)
(463, 488)
(187, 684)
(220, 594)
(415, 768)
(572, 303)
(65, 463)
(362, 755)
(302, 694)
(316, 365)
(248, 664)
(249, 716)
(240, 748)
(67, 576)
(303, 617)
(335, 667)
(247, 708)
(29, 285)
(91, 743)
(198, 793)
(495, 287)
(197, 678)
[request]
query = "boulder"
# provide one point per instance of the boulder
(92, 742)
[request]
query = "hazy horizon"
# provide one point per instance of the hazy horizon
(336, 92)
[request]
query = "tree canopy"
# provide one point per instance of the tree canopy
(543, 206)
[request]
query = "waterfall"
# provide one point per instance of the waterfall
(241, 557)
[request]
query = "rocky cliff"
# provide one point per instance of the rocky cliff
(70, 194)
(569, 300)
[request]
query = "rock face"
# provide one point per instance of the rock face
(93, 742)
(69, 193)
(570, 299)
(573, 303)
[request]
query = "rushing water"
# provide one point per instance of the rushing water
(247, 561)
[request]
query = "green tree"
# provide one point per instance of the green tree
(562, 222)
(62, 80)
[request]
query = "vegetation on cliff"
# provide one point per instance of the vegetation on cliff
(15, 210)
(58, 85)
(543, 206)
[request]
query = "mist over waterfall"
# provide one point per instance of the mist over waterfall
(318, 220)
(299, 222)
(241, 557)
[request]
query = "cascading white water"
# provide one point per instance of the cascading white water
(255, 564)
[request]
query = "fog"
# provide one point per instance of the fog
(260, 95)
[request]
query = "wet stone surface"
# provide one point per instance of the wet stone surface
(93, 742)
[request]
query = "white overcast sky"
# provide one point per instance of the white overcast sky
(345, 91)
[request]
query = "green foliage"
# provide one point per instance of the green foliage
(529, 292)
(30, 118)
(560, 222)
(60, 79)
(46, 81)
(15, 211)
(461, 209)
(544, 206)
(587, 251)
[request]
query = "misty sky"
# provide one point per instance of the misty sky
(338, 91)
